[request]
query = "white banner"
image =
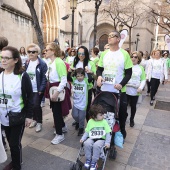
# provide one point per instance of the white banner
(167, 41)
(124, 34)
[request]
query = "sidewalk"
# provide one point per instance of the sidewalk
(147, 145)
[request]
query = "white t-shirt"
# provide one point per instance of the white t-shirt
(80, 90)
(70, 60)
(80, 65)
(47, 61)
(13, 96)
(23, 59)
(156, 68)
(31, 70)
(113, 63)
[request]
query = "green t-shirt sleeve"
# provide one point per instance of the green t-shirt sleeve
(128, 61)
(107, 127)
(93, 67)
(61, 68)
(142, 77)
(100, 63)
(88, 126)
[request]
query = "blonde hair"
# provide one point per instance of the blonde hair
(54, 47)
(32, 45)
(138, 54)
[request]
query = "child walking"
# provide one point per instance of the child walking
(98, 135)
(80, 97)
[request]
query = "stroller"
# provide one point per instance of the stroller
(110, 104)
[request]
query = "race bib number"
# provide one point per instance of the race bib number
(97, 133)
(5, 101)
(78, 89)
(109, 79)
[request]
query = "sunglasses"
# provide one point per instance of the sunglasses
(81, 54)
(134, 57)
(33, 52)
(112, 36)
(72, 51)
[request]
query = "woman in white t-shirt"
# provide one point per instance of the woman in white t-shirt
(135, 84)
(157, 70)
(23, 55)
(71, 55)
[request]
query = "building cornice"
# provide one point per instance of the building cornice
(15, 11)
(68, 32)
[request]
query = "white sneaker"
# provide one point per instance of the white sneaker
(33, 124)
(38, 127)
(57, 139)
(64, 129)
(42, 104)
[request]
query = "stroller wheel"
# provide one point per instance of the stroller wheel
(113, 153)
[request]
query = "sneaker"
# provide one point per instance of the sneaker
(33, 124)
(87, 164)
(123, 133)
(81, 131)
(8, 167)
(132, 123)
(151, 102)
(42, 104)
(57, 139)
(38, 127)
(64, 129)
(74, 123)
(77, 126)
(93, 166)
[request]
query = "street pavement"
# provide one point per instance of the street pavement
(146, 147)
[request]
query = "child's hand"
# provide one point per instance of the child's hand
(107, 146)
(81, 141)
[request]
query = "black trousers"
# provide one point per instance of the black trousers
(133, 102)
(14, 136)
(58, 118)
(122, 110)
(154, 87)
(89, 104)
(148, 86)
(37, 110)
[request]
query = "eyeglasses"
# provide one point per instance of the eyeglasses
(6, 58)
(112, 36)
(33, 52)
(134, 57)
(82, 54)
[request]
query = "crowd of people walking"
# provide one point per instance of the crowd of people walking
(29, 75)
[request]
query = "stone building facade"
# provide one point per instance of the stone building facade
(17, 26)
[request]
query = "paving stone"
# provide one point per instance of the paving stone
(151, 151)
(113, 165)
(131, 168)
(158, 119)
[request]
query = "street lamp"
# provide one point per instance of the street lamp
(137, 40)
(73, 5)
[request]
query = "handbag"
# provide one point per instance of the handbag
(61, 95)
(15, 118)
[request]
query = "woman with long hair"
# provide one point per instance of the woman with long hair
(23, 55)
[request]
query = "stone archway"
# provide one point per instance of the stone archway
(103, 31)
(50, 20)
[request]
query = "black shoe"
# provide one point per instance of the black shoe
(81, 131)
(74, 123)
(151, 102)
(132, 123)
(77, 126)
(123, 133)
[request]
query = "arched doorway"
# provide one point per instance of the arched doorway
(103, 40)
(50, 18)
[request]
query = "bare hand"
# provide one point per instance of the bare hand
(107, 146)
(69, 70)
(99, 81)
(139, 90)
(81, 141)
(87, 70)
(118, 86)
(55, 96)
(27, 122)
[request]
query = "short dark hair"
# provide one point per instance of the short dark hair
(95, 109)
(95, 50)
(15, 54)
(3, 42)
(78, 71)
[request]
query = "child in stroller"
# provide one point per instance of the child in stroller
(97, 135)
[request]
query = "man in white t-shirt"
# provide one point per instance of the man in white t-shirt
(114, 71)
